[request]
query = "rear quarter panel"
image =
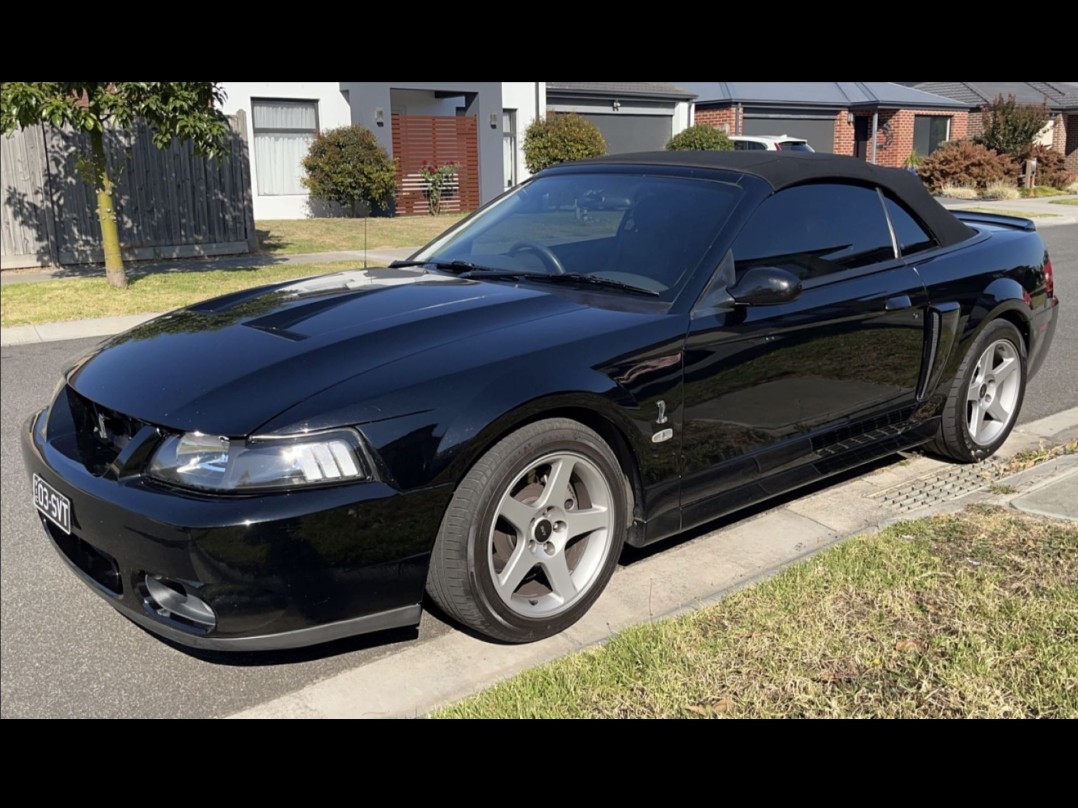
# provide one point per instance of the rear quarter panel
(988, 277)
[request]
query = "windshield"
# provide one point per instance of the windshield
(648, 232)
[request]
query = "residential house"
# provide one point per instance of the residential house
(1061, 98)
(475, 124)
(632, 115)
(878, 121)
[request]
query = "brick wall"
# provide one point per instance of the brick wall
(724, 118)
(1059, 133)
(843, 135)
(1070, 140)
(896, 133)
(976, 124)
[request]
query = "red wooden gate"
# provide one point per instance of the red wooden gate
(437, 139)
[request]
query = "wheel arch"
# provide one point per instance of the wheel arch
(1003, 299)
(593, 411)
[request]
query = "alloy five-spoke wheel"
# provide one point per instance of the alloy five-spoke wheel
(985, 396)
(551, 535)
(532, 534)
(992, 396)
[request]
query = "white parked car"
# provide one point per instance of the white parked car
(770, 143)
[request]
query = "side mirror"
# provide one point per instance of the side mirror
(765, 286)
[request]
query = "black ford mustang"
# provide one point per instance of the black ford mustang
(613, 352)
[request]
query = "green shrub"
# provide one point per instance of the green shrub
(1051, 170)
(700, 137)
(1009, 127)
(914, 160)
(560, 138)
(967, 164)
(347, 166)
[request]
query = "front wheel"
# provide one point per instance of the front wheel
(532, 534)
(985, 396)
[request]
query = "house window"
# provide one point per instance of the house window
(509, 146)
(283, 132)
(930, 132)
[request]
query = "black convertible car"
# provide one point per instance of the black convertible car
(615, 351)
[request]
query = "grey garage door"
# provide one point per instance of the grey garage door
(818, 130)
(632, 133)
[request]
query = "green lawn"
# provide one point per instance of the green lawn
(972, 614)
(1070, 201)
(1041, 191)
(79, 298)
(292, 237)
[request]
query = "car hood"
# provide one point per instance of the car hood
(230, 364)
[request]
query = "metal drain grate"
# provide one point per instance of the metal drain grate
(941, 486)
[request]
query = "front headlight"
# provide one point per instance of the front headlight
(202, 461)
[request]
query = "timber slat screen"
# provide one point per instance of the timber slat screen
(170, 203)
(439, 139)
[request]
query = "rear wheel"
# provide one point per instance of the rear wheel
(985, 396)
(533, 533)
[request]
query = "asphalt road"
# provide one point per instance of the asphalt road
(66, 653)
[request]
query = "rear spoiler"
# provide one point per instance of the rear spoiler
(979, 217)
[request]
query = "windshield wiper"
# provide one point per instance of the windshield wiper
(452, 266)
(567, 277)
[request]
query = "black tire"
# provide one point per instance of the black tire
(462, 575)
(954, 439)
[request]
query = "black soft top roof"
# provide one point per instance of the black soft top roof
(782, 169)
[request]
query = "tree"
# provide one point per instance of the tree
(172, 109)
(700, 137)
(347, 166)
(1009, 127)
(560, 138)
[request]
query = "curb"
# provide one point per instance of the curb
(71, 329)
(681, 577)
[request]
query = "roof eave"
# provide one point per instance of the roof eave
(602, 95)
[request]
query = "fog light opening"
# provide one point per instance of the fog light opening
(175, 601)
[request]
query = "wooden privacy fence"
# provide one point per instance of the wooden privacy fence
(170, 203)
(440, 139)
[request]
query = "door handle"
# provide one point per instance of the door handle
(897, 303)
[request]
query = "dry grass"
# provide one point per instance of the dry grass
(79, 298)
(1021, 214)
(1033, 457)
(294, 237)
(1072, 188)
(1000, 190)
(958, 192)
(973, 614)
(1065, 201)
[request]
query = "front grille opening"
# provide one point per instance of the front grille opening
(176, 602)
(100, 433)
(99, 567)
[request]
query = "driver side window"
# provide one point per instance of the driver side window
(815, 230)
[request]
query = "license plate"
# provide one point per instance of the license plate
(55, 506)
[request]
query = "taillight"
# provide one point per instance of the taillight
(1049, 279)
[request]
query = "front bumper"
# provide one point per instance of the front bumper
(274, 571)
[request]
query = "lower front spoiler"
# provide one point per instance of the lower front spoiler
(402, 617)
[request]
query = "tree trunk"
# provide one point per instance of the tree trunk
(106, 213)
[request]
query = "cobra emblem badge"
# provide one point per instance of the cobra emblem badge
(663, 434)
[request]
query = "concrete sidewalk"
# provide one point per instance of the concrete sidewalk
(693, 573)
